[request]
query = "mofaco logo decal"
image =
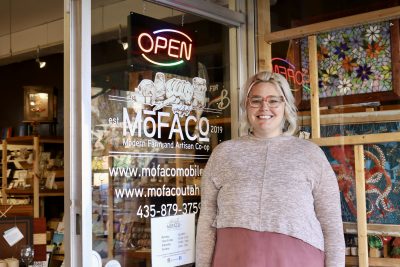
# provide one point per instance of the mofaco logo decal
(182, 95)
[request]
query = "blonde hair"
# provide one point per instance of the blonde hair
(289, 126)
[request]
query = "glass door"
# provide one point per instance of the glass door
(161, 101)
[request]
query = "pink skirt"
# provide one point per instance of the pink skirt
(239, 247)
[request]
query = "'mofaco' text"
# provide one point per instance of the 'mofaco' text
(152, 128)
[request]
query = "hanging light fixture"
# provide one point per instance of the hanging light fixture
(124, 44)
(42, 64)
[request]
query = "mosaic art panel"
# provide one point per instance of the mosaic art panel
(382, 172)
(351, 61)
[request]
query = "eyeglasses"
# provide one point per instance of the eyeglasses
(272, 101)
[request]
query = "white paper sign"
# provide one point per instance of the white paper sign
(13, 235)
(172, 240)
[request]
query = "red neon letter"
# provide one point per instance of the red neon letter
(276, 68)
(188, 51)
(299, 82)
(158, 39)
(284, 71)
(171, 47)
(140, 42)
(290, 74)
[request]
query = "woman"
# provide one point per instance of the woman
(269, 199)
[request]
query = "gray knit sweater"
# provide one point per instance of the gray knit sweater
(282, 184)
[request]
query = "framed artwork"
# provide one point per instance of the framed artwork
(25, 226)
(355, 65)
(382, 172)
(39, 104)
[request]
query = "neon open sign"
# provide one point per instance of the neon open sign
(289, 71)
(178, 49)
(158, 44)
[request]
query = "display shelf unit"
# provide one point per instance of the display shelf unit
(34, 192)
(357, 141)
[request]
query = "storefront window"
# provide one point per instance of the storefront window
(355, 121)
(160, 104)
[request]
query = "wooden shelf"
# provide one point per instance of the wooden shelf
(29, 192)
(20, 140)
(20, 192)
(374, 262)
(349, 118)
(377, 229)
(51, 140)
(51, 192)
(357, 139)
(17, 210)
(28, 140)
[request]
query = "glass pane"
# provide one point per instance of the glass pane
(160, 104)
(358, 104)
(356, 73)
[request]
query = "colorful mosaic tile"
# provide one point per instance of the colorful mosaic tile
(351, 61)
(382, 172)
